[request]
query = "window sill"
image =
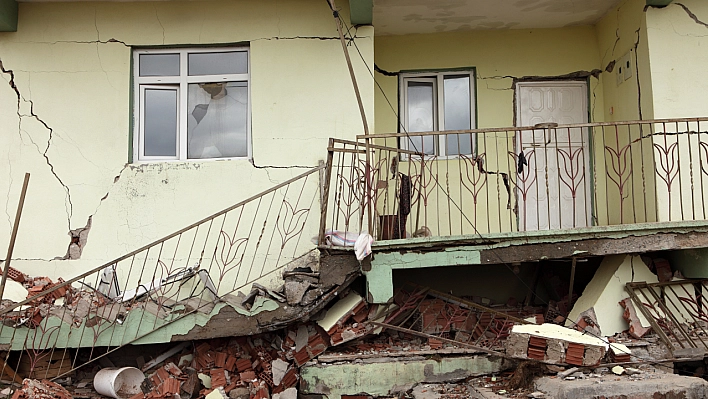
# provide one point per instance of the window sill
(190, 160)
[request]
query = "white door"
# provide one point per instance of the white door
(553, 164)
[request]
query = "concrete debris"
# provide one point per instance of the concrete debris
(644, 385)
(619, 370)
(236, 368)
(290, 393)
(240, 393)
(607, 289)
(345, 320)
(568, 372)
(44, 389)
(587, 322)
(636, 329)
(554, 344)
(620, 353)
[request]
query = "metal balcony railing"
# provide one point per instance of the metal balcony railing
(545, 177)
(186, 272)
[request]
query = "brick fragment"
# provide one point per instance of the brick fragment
(636, 329)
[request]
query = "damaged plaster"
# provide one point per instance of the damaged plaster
(87, 143)
(79, 237)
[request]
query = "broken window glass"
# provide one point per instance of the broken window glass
(222, 63)
(456, 90)
(421, 110)
(217, 120)
(159, 64)
(160, 122)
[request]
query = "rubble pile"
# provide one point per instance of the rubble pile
(555, 345)
(250, 367)
(41, 389)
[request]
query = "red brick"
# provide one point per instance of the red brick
(435, 343)
(243, 365)
(248, 376)
(220, 359)
(172, 369)
(289, 379)
(218, 378)
(15, 274)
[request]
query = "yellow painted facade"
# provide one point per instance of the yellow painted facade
(72, 68)
(72, 65)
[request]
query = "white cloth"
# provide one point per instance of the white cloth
(362, 246)
(341, 238)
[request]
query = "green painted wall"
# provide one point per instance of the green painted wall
(379, 378)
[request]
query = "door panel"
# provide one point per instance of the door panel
(554, 189)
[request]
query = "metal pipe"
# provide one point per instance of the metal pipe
(13, 235)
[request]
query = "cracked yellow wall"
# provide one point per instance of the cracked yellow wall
(499, 56)
(72, 71)
(620, 32)
(677, 38)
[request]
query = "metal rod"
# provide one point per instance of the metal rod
(13, 236)
(572, 281)
(325, 193)
(126, 256)
(367, 182)
(521, 128)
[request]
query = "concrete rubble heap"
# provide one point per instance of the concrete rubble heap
(36, 389)
(465, 333)
(251, 367)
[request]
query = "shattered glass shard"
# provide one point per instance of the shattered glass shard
(217, 121)
(200, 111)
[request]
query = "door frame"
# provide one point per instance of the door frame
(589, 176)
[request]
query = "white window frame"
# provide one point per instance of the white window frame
(181, 82)
(439, 103)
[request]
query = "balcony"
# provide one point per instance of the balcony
(559, 191)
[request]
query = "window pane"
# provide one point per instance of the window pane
(217, 120)
(458, 111)
(218, 63)
(159, 64)
(160, 129)
(421, 108)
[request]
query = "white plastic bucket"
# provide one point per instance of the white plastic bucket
(119, 383)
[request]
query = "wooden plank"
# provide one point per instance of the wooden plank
(7, 370)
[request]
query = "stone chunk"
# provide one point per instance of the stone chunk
(240, 393)
(295, 290)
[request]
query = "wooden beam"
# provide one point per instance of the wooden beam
(361, 12)
(8, 15)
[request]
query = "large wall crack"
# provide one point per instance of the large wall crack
(692, 15)
(9, 72)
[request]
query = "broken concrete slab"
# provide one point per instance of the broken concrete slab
(650, 386)
(295, 291)
(607, 289)
(379, 377)
(14, 291)
(555, 344)
(340, 310)
(290, 393)
(278, 368)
